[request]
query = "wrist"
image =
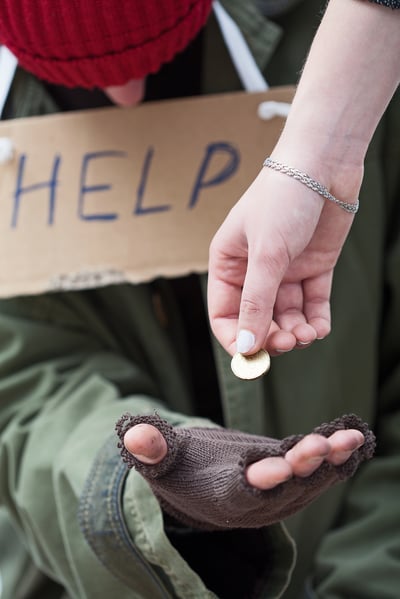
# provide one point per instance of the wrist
(333, 159)
(342, 93)
(313, 184)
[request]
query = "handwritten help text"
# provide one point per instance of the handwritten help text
(206, 176)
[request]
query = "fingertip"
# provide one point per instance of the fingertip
(307, 455)
(224, 330)
(280, 342)
(305, 334)
(344, 443)
(146, 443)
(347, 439)
(245, 341)
(268, 473)
(321, 326)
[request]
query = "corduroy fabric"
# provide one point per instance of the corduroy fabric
(98, 43)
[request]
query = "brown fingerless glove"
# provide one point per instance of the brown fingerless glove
(202, 482)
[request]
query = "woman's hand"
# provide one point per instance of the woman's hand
(272, 260)
(271, 266)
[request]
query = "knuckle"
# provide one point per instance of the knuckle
(277, 261)
(250, 306)
(271, 259)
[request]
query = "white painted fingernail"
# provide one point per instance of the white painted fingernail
(6, 150)
(245, 341)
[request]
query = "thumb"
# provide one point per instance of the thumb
(146, 443)
(259, 292)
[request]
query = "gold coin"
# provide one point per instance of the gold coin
(252, 366)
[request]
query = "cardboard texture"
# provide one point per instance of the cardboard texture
(103, 196)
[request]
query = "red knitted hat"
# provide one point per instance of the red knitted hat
(98, 43)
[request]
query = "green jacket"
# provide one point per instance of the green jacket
(72, 363)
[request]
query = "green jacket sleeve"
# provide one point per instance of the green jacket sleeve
(70, 365)
(65, 379)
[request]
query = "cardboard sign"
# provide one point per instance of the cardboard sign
(110, 195)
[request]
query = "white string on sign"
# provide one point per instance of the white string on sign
(8, 65)
(246, 67)
(242, 58)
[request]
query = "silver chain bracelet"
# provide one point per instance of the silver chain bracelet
(311, 183)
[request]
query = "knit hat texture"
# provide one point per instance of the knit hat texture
(98, 43)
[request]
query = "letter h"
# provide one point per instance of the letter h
(19, 190)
